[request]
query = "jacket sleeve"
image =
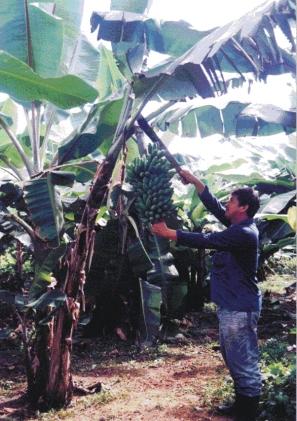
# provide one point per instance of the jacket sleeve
(232, 238)
(214, 206)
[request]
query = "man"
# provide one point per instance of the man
(233, 288)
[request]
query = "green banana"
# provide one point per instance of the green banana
(150, 178)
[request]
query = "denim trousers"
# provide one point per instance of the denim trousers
(239, 348)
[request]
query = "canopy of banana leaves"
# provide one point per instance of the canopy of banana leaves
(237, 118)
(265, 165)
(168, 37)
(246, 45)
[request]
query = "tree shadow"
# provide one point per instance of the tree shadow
(15, 408)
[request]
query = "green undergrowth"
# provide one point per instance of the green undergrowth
(92, 401)
(10, 279)
(282, 264)
(282, 273)
(277, 284)
(217, 391)
(278, 366)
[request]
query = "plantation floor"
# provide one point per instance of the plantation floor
(180, 381)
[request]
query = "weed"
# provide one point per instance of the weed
(279, 376)
(55, 415)
(276, 283)
(218, 390)
(273, 350)
(282, 264)
(97, 399)
(86, 402)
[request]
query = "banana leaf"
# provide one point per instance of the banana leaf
(44, 270)
(22, 83)
(130, 29)
(45, 206)
(55, 25)
(278, 203)
(85, 143)
(54, 298)
(165, 275)
(151, 317)
(237, 118)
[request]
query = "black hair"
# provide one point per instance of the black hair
(248, 196)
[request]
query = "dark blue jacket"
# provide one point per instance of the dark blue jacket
(233, 275)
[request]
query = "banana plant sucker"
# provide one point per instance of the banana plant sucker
(59, 387)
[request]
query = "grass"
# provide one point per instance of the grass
(283, 264)
(53, 415)
(276, 283)
(218, 390)
(91, 401)
(97, 399)
(279, 374)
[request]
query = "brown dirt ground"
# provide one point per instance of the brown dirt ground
(169, 382)
(169, 387)
(180, 381)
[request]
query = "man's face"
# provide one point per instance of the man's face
(234, 209)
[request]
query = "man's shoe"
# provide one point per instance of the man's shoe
(247, 407)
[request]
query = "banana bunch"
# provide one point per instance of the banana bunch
(150, 177)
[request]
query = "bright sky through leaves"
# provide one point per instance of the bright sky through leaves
(201, 14)
(205, 15)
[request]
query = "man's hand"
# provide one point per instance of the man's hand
(161, 229)
(187, 177)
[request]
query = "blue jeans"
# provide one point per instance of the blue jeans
(239, 347)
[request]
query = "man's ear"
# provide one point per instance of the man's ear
(244, 208)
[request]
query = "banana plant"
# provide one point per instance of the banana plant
(45, 86)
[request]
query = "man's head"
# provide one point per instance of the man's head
(243, 204)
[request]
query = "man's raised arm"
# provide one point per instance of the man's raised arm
(210, 202)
